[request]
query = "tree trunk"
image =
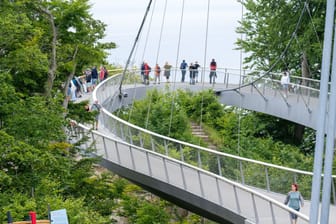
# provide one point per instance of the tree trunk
(53, 63)
(299, 129)
(71, 75)
(305, 70)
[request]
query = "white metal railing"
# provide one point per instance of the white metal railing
(250, 172)
(254, 206)
(303, 88)
(246, 171)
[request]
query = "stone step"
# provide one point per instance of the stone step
(198, 132)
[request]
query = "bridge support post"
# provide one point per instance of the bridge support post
(320, 130)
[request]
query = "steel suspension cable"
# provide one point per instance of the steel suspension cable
(148, 31)
(156, 60)
(161, 31)
(314, 27)
(132, 50)
(176, 63)
(205, 55)
(204, 59)
(283, 53)
(142, 59)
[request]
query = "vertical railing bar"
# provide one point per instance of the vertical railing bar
(255, 209)
(153, 144)
(114, 127)
(81, 134)
(200, 182)
(166, 147)
(219, 193)
(267, 179)
(333, 191)
(237, 199)
(308, 101)
(166, 169)
(105, 148)
(94, 141)
(118, 153)
(130, 135)
(199, 162)
(149, 165)
(241, 172)
(183, 178)
(272, 212)
(219, 166)
(181, 151)
(141, 140)
(122, 132)
(132, 158)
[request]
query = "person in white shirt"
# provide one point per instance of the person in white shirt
(285, 80)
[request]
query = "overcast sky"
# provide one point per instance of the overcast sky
(123, 19)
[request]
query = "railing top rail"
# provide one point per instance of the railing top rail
(232, 183)
(94, 95)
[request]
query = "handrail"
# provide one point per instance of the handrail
(199, 148)
(272, 202)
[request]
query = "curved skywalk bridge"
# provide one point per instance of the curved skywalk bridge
(222, 187)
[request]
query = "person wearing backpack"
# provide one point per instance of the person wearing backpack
(183, 68)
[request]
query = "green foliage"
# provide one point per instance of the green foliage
(26, 42)
(149, 213)
(79, 113)
(43, 117)
(268, 26)
(161, 113)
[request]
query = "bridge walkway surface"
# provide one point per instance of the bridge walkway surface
(205, 185)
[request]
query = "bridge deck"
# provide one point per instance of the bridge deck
(296, 108)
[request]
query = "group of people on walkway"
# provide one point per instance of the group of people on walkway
(184, 67)
(86, 83)
(146, 69)
(193, 71)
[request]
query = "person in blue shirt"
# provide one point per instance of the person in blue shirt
(294, 200)
(183, 68)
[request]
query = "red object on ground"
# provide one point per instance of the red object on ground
(32, 217)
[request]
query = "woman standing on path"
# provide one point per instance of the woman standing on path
(167, 68)
(294, 200)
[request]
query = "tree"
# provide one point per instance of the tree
(269, 26)
(282, 35)
(47, 41)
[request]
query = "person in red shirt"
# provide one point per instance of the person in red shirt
(213, 67)
(147, 69)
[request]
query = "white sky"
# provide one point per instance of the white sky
(124, 17)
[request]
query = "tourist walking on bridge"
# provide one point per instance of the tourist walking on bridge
(285, 80)
(294, 200)
(213, 68)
